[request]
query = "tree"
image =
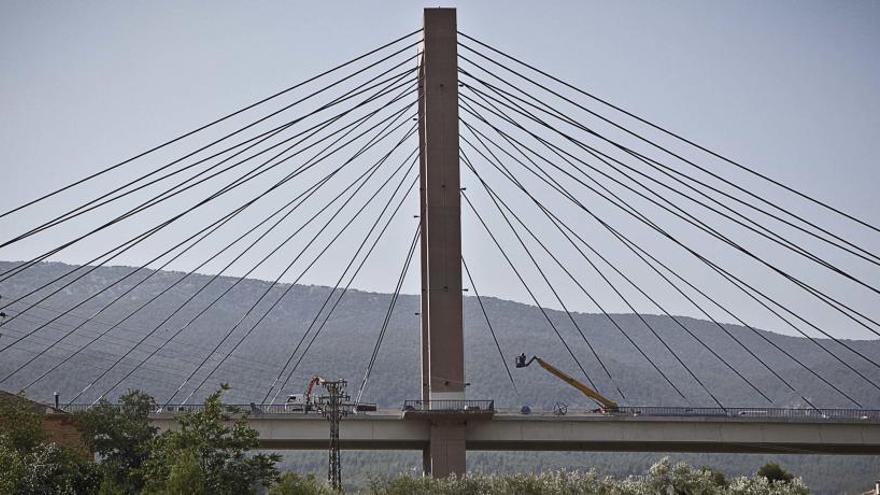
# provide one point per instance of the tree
(48, 468)
(122, 437)
(185, 477)
(773, 472)
(20, 423)
(29, 464)
(212, 446)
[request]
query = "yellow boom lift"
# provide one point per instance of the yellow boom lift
(607, 405)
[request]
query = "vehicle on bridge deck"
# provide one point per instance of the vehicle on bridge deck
(297, 403)
(303, 402)
(606, 405)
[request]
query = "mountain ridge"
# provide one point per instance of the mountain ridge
(518, 327)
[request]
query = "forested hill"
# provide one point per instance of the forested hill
(346, 342)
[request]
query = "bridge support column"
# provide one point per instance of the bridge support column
(447, 449)
(442, 336)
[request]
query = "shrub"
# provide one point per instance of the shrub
(295, 484)
(773, 472)
(663, 477)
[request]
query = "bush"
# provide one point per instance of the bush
(773, 472)
(662, 478)
(295, 484)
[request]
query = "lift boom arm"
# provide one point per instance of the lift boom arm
(316, 380)
(605, 402)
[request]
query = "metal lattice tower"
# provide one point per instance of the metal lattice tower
(334, 406)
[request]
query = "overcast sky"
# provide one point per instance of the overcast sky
(790, 88)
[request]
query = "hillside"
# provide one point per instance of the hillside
(344, 346)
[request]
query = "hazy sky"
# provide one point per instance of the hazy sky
(790, 88)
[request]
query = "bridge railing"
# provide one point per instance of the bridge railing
(756, 412)
(475, 406)
(252, 408)
(488, 406)
(174, 408)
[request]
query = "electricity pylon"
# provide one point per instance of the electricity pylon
(334, 406)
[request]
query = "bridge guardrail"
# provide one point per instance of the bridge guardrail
(252, 408)
(488, 406)
(754, 412)
(481, 406)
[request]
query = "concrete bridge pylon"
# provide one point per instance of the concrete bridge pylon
(441, 316)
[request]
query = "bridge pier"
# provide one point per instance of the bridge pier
(447, 451)
(442, 335)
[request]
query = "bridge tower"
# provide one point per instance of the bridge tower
(442, 335)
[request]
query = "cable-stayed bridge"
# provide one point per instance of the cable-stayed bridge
(578, 200)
